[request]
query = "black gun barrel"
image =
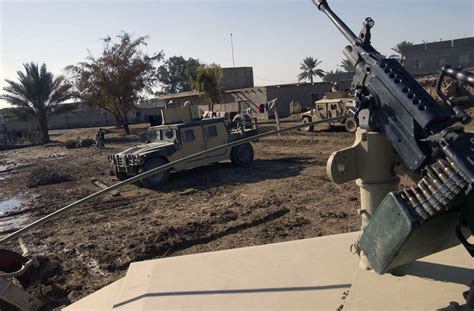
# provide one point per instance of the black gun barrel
(346, 31)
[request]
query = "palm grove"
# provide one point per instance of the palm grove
(117, 79)
(114, 81)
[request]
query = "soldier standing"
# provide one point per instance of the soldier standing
(100, 139)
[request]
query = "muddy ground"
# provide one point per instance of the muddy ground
(284, 195)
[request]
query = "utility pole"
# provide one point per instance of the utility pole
(232, 46)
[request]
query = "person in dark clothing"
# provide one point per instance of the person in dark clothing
(100, 139)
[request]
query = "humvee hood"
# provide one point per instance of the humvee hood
(145, 148)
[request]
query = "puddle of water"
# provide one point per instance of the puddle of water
(9, 204)
(12, 222)
(6, 167)
(4, 170)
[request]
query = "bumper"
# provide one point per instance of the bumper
(124, 163)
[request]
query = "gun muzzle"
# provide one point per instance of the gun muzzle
(318, 3)
(346, 31)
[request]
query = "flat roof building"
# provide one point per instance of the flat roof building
(428, 58)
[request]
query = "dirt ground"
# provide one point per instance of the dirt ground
(284, 195)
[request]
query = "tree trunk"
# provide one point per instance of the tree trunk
(118, 120)
(311, 79)
(125, 124)
(43, 127)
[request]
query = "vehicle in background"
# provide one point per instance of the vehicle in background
(333, 104)
(182, 134)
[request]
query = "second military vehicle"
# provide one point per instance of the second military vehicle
(183, 133)
(333, 104)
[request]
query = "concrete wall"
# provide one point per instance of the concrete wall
(304, 93)
(92, 119)
(339, 76)
(430, 57)
(150, 103)
(237, 78)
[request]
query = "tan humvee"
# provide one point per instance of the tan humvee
(333, 104)
(182, 133)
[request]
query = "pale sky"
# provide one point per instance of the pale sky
(272, 36)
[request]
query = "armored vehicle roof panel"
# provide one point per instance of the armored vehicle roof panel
(310, 274)
(334, 95)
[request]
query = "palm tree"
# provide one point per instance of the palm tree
(310, 69)
(347, 66)
(37, 94)
(399, 48)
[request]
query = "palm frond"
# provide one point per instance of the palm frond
(309, 69)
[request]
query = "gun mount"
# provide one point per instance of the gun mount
(429, 217)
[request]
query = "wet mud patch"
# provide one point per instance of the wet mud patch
(9, 219)
(46, 175)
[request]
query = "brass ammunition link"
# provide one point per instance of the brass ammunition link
(442, 184)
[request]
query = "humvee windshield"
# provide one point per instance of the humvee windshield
(151, 135)
(168, 134)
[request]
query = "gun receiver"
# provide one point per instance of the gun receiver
(421, 131)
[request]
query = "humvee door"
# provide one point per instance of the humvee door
(192, 141)
(215, 135)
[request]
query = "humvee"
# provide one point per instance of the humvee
(182, 133)
(333, 104)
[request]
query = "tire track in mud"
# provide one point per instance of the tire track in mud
(174, 238)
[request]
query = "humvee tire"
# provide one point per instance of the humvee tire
(120, 175)
(156, 180)
(242, 155)
(308, 128)
(351, 125)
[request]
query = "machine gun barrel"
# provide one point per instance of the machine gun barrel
(346, 31)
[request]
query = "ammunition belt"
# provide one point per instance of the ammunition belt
(435, 193)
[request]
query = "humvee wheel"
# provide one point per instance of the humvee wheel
(242, 155)
(157, 179)
(120, 175)
(351, 125)
(308, 128)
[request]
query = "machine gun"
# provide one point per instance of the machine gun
(438, 212)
